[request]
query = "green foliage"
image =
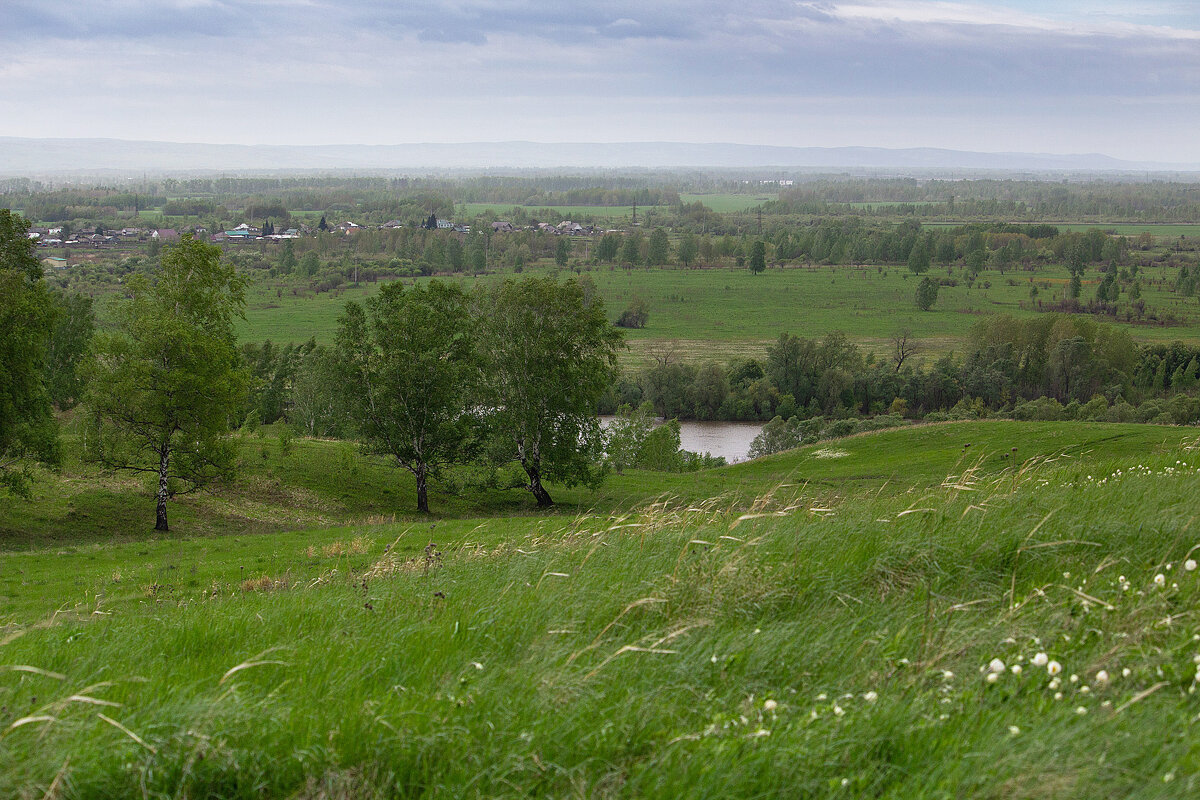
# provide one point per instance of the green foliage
(161, 387)
(549, 353)
(631, 249)
(636, 316)
(687, 250)
(27, 318)
(659, 251)
(758, 257)
(608, 247)
(562, 251)
(408, 363)
(73, 327)
(927, 293)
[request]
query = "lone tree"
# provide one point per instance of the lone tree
(27, 427)
(927, 292)
(163, 384)
(758, 257)
(548, 353)
(407, 363)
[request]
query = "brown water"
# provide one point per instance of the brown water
(730, 440)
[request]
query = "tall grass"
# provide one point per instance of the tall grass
(796, 644)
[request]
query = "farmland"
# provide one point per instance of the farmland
(719, 312)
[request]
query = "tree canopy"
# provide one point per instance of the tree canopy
(27, 427)
(163, 384)
(407, 363)
(549, 353)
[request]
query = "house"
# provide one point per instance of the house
(165, 235)
(348, 227)
(240, 234)
(392, 223)
(462, 228)
(445, 225)
(570, 228)
(502, 227)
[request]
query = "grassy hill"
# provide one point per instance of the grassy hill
(818, 623)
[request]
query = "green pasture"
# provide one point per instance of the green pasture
(825, 629)
(720, 312)
(729, 203)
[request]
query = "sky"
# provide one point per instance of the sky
(1074, 76)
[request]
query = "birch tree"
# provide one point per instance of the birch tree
(164, 383)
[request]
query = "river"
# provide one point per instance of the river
(730, 440)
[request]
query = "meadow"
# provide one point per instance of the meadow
(723, 312)
(923, 612)
(719, 202)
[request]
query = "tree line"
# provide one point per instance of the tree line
(1007, 362)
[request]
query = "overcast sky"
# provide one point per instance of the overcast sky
(995, 75)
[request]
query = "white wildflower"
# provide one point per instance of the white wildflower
(1053, 667)
(1190, 565)
(838, 710)
(870, 697)
(1040, 660)
(1080, 710)
(770, 705)
(1160, 579)
(1015, 669)
(1014, 730)
(1102, 677)
(996, 665)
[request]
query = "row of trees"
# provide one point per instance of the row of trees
(1006, 362)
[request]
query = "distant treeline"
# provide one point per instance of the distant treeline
(1161, 201)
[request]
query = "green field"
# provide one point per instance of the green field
(727, 203)
(722, 312)
(817, 623)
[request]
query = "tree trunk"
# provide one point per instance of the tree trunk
(535, 485)
(160, 522)
(422, 489)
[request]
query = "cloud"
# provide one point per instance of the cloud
(483, 68)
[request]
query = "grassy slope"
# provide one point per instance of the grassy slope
(622, 656)
(329, 484)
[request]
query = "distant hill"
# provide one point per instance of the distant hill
(44, 156)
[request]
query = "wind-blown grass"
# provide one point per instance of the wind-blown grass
(802, 642)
